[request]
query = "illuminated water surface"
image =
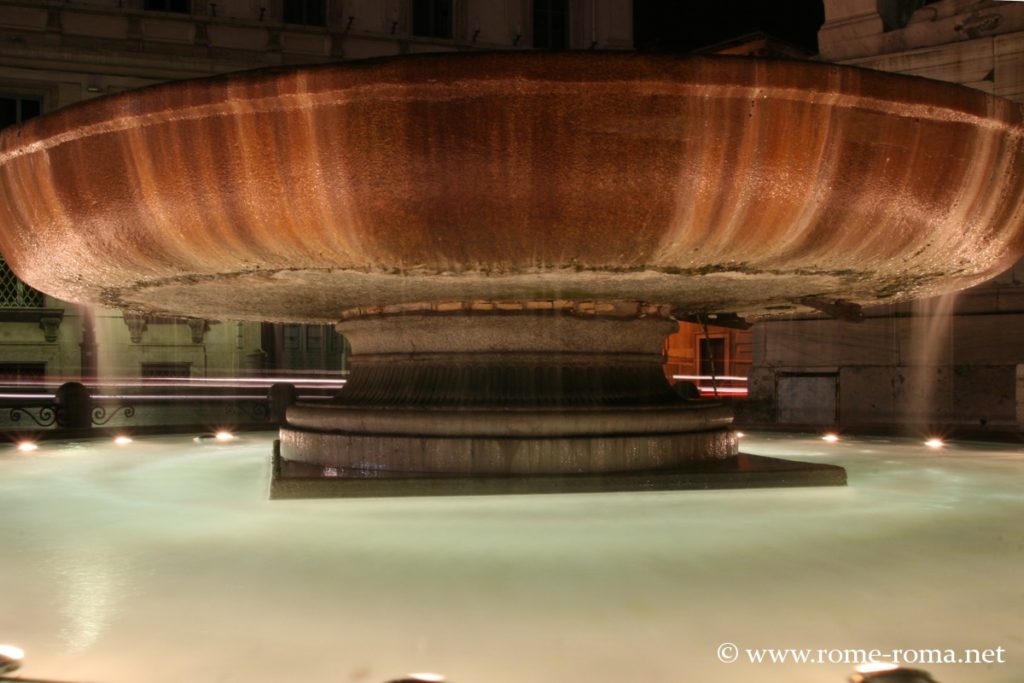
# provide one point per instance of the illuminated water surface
(163, 560)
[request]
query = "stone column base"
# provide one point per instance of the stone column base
(508, 390)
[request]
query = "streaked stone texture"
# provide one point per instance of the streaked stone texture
(698, 182)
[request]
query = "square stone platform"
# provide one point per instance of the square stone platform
(292, 480)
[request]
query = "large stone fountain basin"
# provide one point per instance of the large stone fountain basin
(699, 183)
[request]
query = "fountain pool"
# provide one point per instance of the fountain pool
(164, 560)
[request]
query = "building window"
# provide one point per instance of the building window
(15, 109)
(22, 372)
(292, 337)
(896, 14)
(165, 370)
(432, 18)
(712, 356)
(306, 12)
(314, 337)
(181, 6)
(550, 24)
(14, 293)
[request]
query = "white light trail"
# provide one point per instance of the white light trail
(727, 378)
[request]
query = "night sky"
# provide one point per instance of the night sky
(684, 25)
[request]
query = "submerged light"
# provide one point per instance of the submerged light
(27, 446)
(122, 440)
(881, 672)
(876, 667)
(10, 658)
(935, 442)
(831, 437)
(224, 435)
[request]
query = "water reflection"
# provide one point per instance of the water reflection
(87, 578)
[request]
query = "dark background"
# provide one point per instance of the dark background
(685, 25)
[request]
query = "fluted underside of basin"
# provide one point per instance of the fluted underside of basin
(701, 183)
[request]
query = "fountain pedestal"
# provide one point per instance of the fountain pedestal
(536, 387)
(504, 183)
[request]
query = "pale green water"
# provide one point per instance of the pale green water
(165, 561)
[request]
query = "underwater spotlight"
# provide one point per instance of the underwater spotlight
(740, 435)
(889, 673)
(220, 436)
(27, 446)
(830, 437)
(10, 658)
(934, 442)
(122, 440)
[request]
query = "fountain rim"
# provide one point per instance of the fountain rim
(846, 86)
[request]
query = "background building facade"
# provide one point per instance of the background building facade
(55, 53)
(904, 362)
(954, 361)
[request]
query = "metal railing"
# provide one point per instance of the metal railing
(723, 386)
(41, 406)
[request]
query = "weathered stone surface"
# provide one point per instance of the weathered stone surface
(918, 370)
(699, 182)
(508, 390)
(814, 344)
(369, 452)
